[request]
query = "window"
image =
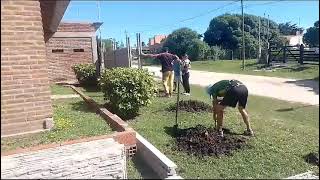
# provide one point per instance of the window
(57, 50)
(78, 50)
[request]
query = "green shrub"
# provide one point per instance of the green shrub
(126, 90)
(86, 74)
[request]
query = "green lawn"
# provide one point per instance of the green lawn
(282, 138)
(73, 120)
(294, 70)
(60, 90)
(285, 132)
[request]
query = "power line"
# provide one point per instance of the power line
(190, 18)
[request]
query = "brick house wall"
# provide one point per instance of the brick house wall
(156, 39)
(72, 44)
(25, 92)
(76, 27)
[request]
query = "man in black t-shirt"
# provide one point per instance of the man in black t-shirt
(166, 60)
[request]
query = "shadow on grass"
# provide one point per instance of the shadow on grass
(124, 116)
(313, 84)
(145, 171)
(81, 106)
(292, 108)
(297, 69)
(91, 88)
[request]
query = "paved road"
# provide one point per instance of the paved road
(303, 91)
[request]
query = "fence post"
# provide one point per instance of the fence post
(301, 54)
(269, 55)
(231, 54)
(284, 59)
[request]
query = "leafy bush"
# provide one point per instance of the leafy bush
(86, 74)
(126, 90)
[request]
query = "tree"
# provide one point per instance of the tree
(226, 31)
(289, 29)
(121, 45)
(197, 49)
(107, 44)
(311, 37)
(179, 40)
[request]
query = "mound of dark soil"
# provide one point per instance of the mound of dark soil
(202, 141)
(312, 158)
(191, 106)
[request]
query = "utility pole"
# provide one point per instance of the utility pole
(259, 48)
(243, 48)
(268, 44)
(125, 31)
(100, 49)
(139, 49)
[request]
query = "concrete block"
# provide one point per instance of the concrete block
(48, 123)
(161, 164)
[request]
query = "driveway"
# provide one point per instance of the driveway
(302, 91)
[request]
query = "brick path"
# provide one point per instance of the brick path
(99, 159)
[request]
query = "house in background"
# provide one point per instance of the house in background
(73, 43)
(155, 43)
(26, 27)
(294, 40)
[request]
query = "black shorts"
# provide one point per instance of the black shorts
(235, 95)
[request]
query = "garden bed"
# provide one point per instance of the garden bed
(202, 141)
(191, 106)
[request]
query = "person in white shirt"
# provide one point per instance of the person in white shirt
(186, 65)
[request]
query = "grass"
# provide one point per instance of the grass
(60, 90)
(285, 132)
(294, 70)
(136, 169)
(73, 120)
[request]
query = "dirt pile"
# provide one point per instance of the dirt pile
(191, 106)
(202, 141)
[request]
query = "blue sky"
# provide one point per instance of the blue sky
(162, 17)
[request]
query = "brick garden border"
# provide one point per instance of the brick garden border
(162, 166)
(114, 121)
(124, 134)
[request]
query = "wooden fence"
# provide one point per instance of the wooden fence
(293, 53)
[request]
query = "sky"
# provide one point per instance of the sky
(162, 17)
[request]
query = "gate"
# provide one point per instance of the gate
(299, 54)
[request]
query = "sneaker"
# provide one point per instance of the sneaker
(187, 94)
(220, 133)
(248, 133)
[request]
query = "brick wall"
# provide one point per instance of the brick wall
(76, 27)
(60, 63)
(156, 39)
(25, 92)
